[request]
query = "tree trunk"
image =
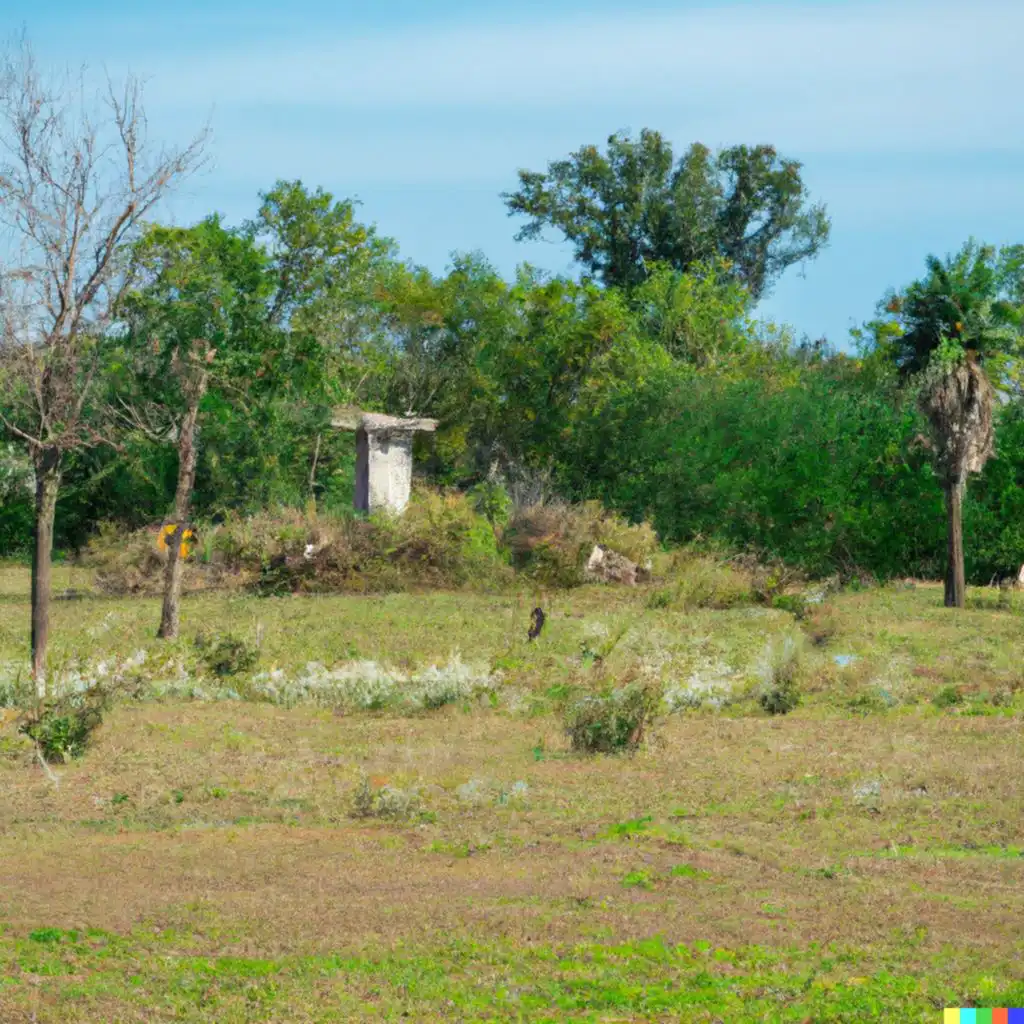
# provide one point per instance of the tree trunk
(955, 581)
(47, 466)
(171, 614)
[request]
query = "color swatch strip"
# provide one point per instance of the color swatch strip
(999, 1015)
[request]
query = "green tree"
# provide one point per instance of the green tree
(958, 330)
(635, 205)
(195, 317)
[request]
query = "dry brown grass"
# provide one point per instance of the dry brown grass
(224, 829)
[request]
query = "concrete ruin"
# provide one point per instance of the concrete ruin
(383, 456)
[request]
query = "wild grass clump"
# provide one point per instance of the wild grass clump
(367, 686)
(63, 727)
(384, 801)
(701, 581)
(779, 692)
(948, 697)
(612, 721)
(15, 687)
(711, 684)
(551, 542)
(225, 654)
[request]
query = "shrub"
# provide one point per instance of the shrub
(796, 604)
(948, 697)
(63, 727)
(612, 721)
(552, 542)
(780, 693)
(133, 564)
(702, 581)
(492, 501)
(385, 801)
(226, 655)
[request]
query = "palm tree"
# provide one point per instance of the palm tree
(958, 328)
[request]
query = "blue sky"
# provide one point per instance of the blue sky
(906, 115)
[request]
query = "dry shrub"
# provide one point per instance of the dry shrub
(552, 542)
(440, 541)
(698, 580)
(131, 564)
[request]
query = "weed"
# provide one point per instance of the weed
(634, 827)
(780, 693)
(384, 801)
(638, 880)
(948, 697)
(796, 604)
(63, 727)
(612, 721)
(225, 654)
(688, 871)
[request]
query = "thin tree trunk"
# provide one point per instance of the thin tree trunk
(170, 615)
(47, 467)
(955, 578)
(312, 471)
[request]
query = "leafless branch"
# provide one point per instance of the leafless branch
(77, 180)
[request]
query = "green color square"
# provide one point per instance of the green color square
(983, 1016)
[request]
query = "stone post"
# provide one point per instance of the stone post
(383, 456)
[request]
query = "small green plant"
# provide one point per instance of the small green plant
(795, 604)
(638, 880)
(634, 827)
(688, 871)
(948, 697)
(781, 698)
(780, 693)
(490, 500)
(119, 798)
(62, 728)
(226, 655)
(612, 721)
(871, 702)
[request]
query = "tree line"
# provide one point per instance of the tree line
(154, 373)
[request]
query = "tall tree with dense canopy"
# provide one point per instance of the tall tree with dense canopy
(635, 205)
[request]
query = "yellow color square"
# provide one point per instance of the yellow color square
(951, 1016)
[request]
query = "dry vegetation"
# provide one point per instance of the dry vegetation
(307, 859)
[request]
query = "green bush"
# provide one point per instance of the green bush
(226, 655)
(612, 721)
(948, 697)
(492, 501)
(796, 604)
(780, 692)
(63, 727)
(703, 581)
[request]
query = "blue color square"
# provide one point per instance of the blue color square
(1015, 1016)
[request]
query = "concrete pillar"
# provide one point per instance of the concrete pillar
(383, 457)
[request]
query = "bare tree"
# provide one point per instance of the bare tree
(77, 179)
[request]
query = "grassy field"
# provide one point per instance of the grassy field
(857, 859)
